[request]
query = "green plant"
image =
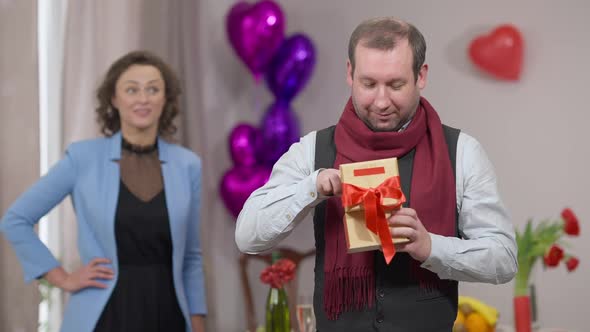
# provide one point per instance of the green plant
(542, 241)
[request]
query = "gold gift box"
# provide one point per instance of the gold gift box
(367, 174)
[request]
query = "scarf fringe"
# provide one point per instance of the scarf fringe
(347, 289)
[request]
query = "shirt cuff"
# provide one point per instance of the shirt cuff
(438, 256)
(313, 190)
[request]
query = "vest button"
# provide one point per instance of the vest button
(380, 318)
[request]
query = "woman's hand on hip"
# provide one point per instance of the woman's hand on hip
(86, 276)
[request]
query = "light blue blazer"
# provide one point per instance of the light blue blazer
(89, 172)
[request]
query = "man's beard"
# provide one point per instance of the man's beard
(368, 123)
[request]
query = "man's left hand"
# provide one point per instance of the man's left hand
(405, 223)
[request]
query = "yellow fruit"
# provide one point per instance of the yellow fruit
(473, 305)
(459, 327)
(475, 322)
(465, 308)
(460, 318)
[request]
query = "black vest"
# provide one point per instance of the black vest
(400, 304)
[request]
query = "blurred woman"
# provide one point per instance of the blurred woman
(137, 203)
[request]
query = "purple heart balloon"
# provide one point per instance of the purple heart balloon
(238, 183)
(244, 144)
(291, 67)
(256, 32)
(279, 129)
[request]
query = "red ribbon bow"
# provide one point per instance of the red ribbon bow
(372, 200)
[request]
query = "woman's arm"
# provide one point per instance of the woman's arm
(19, 221)
(193, 277)
(198, 323)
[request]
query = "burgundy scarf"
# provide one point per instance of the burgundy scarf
(350, 278)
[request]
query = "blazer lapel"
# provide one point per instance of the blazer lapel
(172, 185)
(111, 193)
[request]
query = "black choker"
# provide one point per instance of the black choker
(139, 149)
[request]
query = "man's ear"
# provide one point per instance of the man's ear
(349, 73)
(422, 75)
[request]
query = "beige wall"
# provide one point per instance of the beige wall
(19, 148)
(534, 130)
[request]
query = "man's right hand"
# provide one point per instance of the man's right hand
(84, 277)
(328, 182)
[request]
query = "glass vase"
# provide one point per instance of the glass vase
(277, 311)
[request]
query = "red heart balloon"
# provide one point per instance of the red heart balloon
(500, 53)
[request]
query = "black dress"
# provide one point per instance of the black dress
(144, 298)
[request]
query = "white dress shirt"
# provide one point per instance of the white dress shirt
(486, 253)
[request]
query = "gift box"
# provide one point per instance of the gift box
(371, 191)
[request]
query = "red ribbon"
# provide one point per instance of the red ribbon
(372, 200)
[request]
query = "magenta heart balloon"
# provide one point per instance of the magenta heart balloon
(279, 129)
(244, 144)
(291, 67)
(238, 183)
(256, 32)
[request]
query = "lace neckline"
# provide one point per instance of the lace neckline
(138, 149)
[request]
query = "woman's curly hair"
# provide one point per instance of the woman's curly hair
(108, 116)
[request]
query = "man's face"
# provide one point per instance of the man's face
(385, 92)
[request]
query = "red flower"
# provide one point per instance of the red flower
(280, 272)
(572, 263)
(571, 225)
(553, 256)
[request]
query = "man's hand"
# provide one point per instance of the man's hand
(328, 182)
(405, 223)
